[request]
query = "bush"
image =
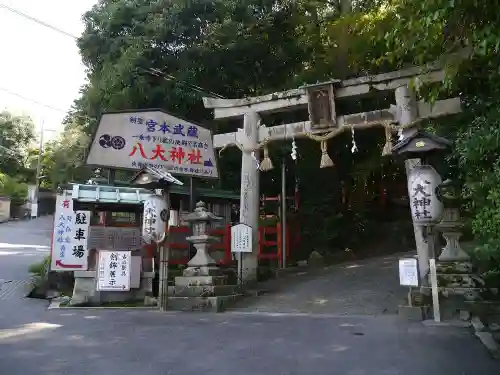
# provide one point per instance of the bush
(40, 272)
(478, 156)
(16, 191)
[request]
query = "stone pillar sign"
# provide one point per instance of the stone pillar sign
(249, 201)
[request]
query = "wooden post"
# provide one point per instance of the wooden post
(284, 242)
(249, 200)
(435, 291)
(407, 113)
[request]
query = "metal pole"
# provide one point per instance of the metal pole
(37, 177)
(164, 252)
(192, 206)
(283, 212)
(191, 195)
(111, 176)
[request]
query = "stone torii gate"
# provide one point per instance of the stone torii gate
(320, 100)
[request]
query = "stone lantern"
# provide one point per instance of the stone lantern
(202, 263)
(202, 286)
(451, 226)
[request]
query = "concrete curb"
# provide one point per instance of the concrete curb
(485, 337)
(450, 323)
(57, 305)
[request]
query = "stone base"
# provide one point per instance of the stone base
(85, 290)
(186, 281)
(414, 313)
(209, 270)
(200, 304)
(202, 290)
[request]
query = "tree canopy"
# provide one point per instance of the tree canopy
(16, 135)
(169, 53)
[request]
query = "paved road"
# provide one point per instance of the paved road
(37, 341)
(21, 244)
(153, 343)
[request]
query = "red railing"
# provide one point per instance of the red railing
(182, 247)
(269, 248)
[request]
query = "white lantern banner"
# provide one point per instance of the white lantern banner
(426, 208)
(155, 219)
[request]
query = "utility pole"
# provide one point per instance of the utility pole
(38, 177)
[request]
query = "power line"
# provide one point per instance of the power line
(169, 77)
(32, 100)
(42, 104)
(153, 71)
(36, 20)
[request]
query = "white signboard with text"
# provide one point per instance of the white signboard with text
(135, 140)
(114, 270)
(80, 234)
(65, 257)
(241, 238)
(408, 272)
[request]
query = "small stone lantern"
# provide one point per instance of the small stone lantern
(451, 226)
(202, 264)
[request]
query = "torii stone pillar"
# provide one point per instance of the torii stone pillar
(249, 198)
(408, 112)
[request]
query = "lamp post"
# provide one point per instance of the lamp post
(155, 220)
(426, 206)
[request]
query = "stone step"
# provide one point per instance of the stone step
(203, 271)
(454, 267)
(202, 291)
(200, 280)
(459, 280)
(201, 304)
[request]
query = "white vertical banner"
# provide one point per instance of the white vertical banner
(61, 251)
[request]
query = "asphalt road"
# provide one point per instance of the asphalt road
(37, 341)
(21, 244)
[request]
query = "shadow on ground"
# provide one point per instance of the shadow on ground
(365, 287)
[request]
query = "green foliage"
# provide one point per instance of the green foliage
(424, 31)
(40, 272)
(10, 187)
(64, 159)
(16, 135)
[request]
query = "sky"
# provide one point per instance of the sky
(39, 63)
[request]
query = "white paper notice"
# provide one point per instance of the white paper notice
(114, 270)
(408, 272)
